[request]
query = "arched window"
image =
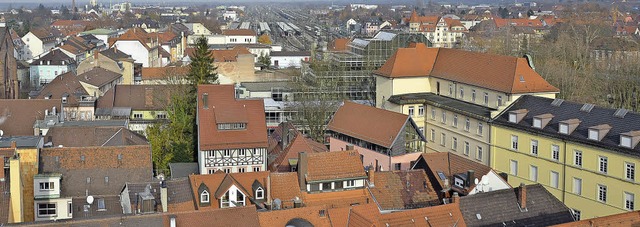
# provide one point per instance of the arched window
(259, 193)
(204, 196)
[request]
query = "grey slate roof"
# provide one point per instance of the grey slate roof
(180, 170)
(570, 110)
(114, 54)
(178, 191)
(21, 141)
(54, 57)
(442, 102)
(501, 208)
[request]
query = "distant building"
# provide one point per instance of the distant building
(289, 59)
(441, 31)
(44, 69)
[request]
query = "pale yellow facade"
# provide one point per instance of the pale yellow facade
(577, 186)
(15, 208)
(453, 134)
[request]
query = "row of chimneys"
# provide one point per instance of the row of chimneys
(628, 139)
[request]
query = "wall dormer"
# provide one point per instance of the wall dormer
(204, 195)
(630, 139)
(598, 132)
(568, 126)
(46, 186)
(541, 121)
(515, 116)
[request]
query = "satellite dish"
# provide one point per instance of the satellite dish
(1, 133)
(485, 180)
(90, 200)
(277, 203)
(475, 181)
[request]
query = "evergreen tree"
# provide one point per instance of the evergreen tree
(201, 69)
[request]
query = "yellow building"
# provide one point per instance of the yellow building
(23, 165)
(453, 94)
(584, 155)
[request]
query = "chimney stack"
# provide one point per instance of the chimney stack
(522, 196)
(14, 144)
(455, 198)
(164, 197)
(470, 178)
(372, 174)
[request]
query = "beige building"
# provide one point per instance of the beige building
(441, 31)
(452, 94)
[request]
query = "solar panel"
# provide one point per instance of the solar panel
(587, 107)
(557, 102)
(620, 113)
(441, 175)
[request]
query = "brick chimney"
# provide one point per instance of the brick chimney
(14, 144)
(455, 198)
(522, 196)
(372, 174)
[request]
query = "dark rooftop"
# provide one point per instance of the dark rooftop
(442, 102)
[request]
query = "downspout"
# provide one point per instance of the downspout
(564, 172)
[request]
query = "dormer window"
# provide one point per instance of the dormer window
(516, 116)
(259, 193)
(232, 126)
(630, 139)
(564, 128)
(204, 196)
(537, 123)
(598, 132)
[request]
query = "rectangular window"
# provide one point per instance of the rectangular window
(555, 152)
(479, 153)
(46, 209)
(514, 142)
(450, 89)
(473, 95)
(602, 164)
(630, 171)
(577, 158)
(486, 98)
(533, 173)
(433, 113)
(442, 139)
(576, 214)
(421, 110)
(137, 116)
(629, 200)
(70, 209)
(227, 153)
(480, 128)
(553, 181)
(411, 110)
(466, 148)
(47, 186)
(514, 168)
(242, 152)
(499, 100)
(602, 193)
(240, 169)
(455, 120)
(454, 144)
(534, 147)
(256, 169)
(461, 93)
(397, 166)
(444, 117)
(351, 183)
(467, 125)
(577, 186)
(101, 205)
(433, 135)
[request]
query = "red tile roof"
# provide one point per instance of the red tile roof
(333, 165)
(496, 72)
(223, 107)
(377, 126)
(403, 190)
(278, 157)
(237, 217)
(284, 186)
(337, 199)
(443, 215)
(219, 183)
(339, 44)
(285, 217)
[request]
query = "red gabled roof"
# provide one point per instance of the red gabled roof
(223, 107)
(378, 126)
(519, 22)
(496, 72)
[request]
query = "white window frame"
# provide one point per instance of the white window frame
(577, 158)
(443, 139)
(204, 196)
(479, 152)
(486, 98)
(630, 171)
(577, 186)
(259, 193)
(467, 147)
(455, 121)
(47, 186)
(554, 179)
(555, 152)
(533, 173)
(467, 124)
(350, 184)
(433, 113)
(433, 134)
(629, 200)
(48, 208)
(444, 117)
(480, 128)
(514, 142)
(421, 110)
(601, 193)
(473, 95)
(534, 147)
(513, 167)
(411, 110)
(454, 143)
(603, 164)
